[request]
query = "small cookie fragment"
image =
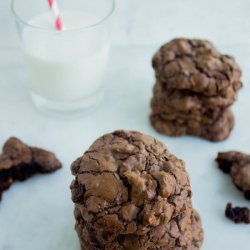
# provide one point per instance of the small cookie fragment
(195, 87)
(238, 214)
(131, 193)
(19, 162)
(236, 164)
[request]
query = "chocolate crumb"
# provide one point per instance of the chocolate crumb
(238, 214)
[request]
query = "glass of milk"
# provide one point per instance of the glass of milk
(65, 68)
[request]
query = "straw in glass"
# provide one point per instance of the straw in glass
(58, 20)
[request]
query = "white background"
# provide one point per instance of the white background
(37, 214)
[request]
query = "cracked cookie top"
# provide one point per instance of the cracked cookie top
(129, 166)
(132, 193)
(195, 65)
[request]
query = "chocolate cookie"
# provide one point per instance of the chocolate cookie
(237, 164)
(189, 102)
(213, 128)
(195, 65)
(195, 87)
(19, 162)
(131, 193)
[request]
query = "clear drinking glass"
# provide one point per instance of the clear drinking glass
(65, 68)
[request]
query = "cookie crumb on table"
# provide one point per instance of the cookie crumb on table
(238, 214)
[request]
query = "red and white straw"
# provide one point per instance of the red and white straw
(54, 7)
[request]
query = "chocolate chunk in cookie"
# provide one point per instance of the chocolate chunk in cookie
(237, 164)
(130, 192)
(19, 162)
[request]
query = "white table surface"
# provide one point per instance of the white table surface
(38, 214)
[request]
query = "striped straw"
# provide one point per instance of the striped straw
(54, 7)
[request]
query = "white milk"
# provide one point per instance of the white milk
(68, 65)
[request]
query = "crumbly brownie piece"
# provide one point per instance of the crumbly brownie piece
(19, 162)
(216, 128)
(227, 159)
(237, 164)
(131, 193)
(195, 65)
(238, 214)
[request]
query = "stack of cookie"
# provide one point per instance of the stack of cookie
(194, 89)
(131, 193)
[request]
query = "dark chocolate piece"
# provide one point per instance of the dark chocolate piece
(130, 192)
